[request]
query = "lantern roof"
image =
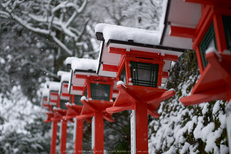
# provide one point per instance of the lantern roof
(65, 77)
(45, 92)
(53, 92)
(63, 90)
(84, 65)
(83, 68)
(129, 41)
(53, 86)
(114, 32)
(60, 73)
(179, 13)
(68, 61)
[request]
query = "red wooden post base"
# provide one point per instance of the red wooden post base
(141, 128)
(99, 135)
(144, 100)
(54, 137)
(79, 137)
(63, 137)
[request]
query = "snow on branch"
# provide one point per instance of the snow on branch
(4, 14)
(41, 68)
(47, 19)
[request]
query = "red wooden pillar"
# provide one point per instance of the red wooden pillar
(54, 137)
(63, 137)
(141, 128)
(99, 135)
(79, 136)
(229, 94)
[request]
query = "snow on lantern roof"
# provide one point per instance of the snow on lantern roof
(45, 92)
(113, 32)
(65, 77)
(110, 58)
(68, 60)
(53, 86)
(84, 65)
(60, 73)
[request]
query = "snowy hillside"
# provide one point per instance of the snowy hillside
(192, 129)
(21, 125)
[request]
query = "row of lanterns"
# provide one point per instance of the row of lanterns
(127, 76)
(135, 60)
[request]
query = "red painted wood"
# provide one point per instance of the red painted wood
(79, 137)
(65, 85)
(141, 128)
(203, 25)
(54, 137)
(63, 140)
(183, 32)
(229, 94)
(219, 32)
(214, 82)
(199, 60)
(65, 94)
(120, 67)
(128, 71)
(50, 115)
(164, 74)
(209, 95)
(170, 57)
(160, 74)
(111, 68)
(99, 135)
(210, 2)
(72, 111)
(116, 50)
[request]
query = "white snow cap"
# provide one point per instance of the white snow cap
(53, 85)
(211, 49)
(127, 33)
(60, 73)
(66, 77)
(45, 92)
(84, 64)
(68, 60)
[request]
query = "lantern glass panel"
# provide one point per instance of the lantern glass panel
(227, 28)
(123, 76)
(144, 74)
(100, 91)
(78, 100)
(62, 104)
(52, 107)
(209, 40)
(85, 93)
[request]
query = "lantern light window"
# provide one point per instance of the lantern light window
(227, 28)
(144, 74)
(63, 104)
(123, 76)
(209, 40)
(100, 91)
(78, 100)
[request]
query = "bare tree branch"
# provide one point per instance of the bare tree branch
(50, 18)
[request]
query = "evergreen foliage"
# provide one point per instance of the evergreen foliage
(192, 129)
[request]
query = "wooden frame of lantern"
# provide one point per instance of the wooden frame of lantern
(208, 29)
(94, 103)
(46, 105)
(72, 111)
(53, 99)
(142, 68)
(209, 32)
